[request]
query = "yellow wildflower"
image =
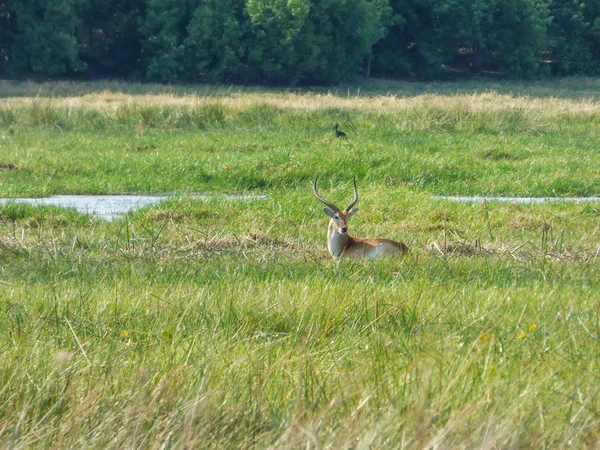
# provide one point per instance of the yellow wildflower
(522, 335)
(124, 333)
(532, 327)
(484, 336)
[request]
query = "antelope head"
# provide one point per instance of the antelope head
(339, 219)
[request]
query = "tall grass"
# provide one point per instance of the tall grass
(215, 323)
(576, 87)
(433, 114)
(226, 336)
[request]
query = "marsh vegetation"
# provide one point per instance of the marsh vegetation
(217, 323)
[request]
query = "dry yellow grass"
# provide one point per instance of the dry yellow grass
(471, 103)
(533, 98)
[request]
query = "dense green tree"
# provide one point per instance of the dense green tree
(164, 31)
(424, 37)
(428, 37)
(279, 32)
(215, 43)
(575, 36)
(505, 36)
(317, 41)
(517, 34)
(283, 41)
(343, 33)
(6, 33)
(296, 41)
(45, 37)
(382, 18)
(110, 40)
(393, 55)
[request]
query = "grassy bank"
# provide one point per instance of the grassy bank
(218, 323)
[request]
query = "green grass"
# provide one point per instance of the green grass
(259, 158)
(216, 323)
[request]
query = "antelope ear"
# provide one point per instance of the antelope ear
(329, 212)
(352, 212)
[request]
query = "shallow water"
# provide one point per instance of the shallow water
(526, 200)
(110, 207)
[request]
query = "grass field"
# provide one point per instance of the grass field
(226, 324)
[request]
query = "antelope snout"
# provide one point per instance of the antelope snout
(344, 229)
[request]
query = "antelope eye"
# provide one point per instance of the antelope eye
(336, 217)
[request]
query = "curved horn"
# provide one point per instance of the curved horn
(331, 205)
(355, 197)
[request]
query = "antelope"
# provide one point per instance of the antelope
(340, 243)
(340, 134)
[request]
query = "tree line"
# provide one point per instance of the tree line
(291, 42)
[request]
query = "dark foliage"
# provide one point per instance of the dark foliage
(291, 42)
(110, 39)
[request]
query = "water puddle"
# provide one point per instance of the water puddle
(526, 200)
(111, 207)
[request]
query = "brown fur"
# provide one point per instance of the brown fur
(342, 244)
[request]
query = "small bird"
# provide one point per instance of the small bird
(7, 165)
(339, 133)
